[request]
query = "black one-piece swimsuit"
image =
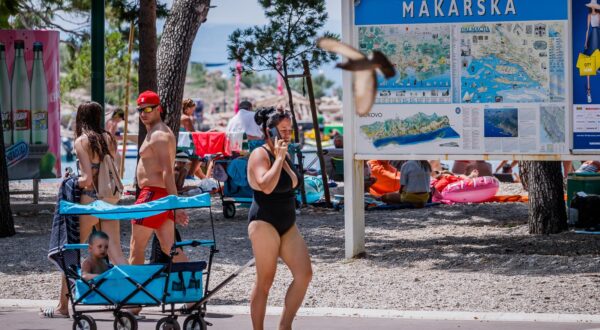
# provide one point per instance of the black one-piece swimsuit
(279, 207)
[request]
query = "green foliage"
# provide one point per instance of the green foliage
(78, 74)
(220, 84)
(198, 73)
(48, 14)
(291, 31)
(255, 80)
(7, 8)
(321, 85)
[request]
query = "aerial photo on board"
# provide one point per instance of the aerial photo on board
(552, 122)
(501, 122)
(509, 62)
(421, 56)
(415, 129)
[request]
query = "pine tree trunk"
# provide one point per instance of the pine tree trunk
(7, 225)
(174, 51)
(547, 211)
(523, 176)
(147, 43)
(147, 78)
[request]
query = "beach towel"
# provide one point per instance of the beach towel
(65, 228)
(235, 140)
(211, 143)
(388, 178)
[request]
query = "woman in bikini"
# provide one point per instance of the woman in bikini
(272, 219)
(92, 142)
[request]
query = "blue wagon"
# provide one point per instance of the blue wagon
(125, 286)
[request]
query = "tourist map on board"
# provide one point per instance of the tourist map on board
(469, 79)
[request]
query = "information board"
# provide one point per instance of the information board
(473, 77)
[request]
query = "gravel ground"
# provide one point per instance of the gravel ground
(462, 257)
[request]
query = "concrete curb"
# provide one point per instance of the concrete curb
(368, 313)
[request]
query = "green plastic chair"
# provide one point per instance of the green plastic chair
(338, 168)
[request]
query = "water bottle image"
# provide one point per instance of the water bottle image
(39, 97)
(5, 107)
(21, 97)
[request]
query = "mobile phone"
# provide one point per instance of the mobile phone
(274, 133)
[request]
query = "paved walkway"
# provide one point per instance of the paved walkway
(27, 318)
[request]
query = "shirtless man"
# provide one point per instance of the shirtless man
(155, 176)
(112, 124)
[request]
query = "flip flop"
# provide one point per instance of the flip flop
(51, 313)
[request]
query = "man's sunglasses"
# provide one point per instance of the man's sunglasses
(147, 109)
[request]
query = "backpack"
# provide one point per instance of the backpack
(110, 187)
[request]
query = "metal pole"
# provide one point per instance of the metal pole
(313, 112)
(97, 46)
(131, 29)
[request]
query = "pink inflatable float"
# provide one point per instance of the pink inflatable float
(474, 190)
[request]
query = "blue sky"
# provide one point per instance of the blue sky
(211, 40)
(228, 15)
(249, 12)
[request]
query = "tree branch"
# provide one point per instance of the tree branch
(49, 23)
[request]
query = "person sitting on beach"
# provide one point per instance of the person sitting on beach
(590, 166)
(95, 263)
(387, 177)
(444, 178)
(111, 125)
(181, 170)
(243, 122)
(415, 176)
(503, 164)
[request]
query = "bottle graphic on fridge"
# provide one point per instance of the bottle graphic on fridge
(39, 98)
(21, 102)
(5, 107)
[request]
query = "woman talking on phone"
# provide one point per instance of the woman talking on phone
(272, 219)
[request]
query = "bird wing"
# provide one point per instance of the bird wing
(338, 47)
(383, 64)
(365, 89)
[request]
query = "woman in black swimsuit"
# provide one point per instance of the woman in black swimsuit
(272, 228)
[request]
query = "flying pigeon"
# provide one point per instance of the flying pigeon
(363, 68)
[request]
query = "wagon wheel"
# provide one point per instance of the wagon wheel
(167, 323)
(228, 210)
(194, 322)
(125, 320)
(84, 322)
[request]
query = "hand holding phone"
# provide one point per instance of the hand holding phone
(281, 148)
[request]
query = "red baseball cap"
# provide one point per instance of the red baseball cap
(148, 97)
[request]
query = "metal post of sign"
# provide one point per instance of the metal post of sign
(354, 199)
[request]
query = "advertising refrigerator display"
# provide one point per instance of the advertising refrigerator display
(30, 103)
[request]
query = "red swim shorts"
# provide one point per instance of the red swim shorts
(148, 194)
